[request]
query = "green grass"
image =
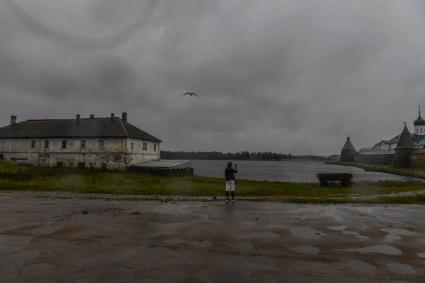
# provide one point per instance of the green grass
(25, 178)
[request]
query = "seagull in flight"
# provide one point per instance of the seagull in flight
(191, 94)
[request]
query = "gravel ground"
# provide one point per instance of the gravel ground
(78, 238)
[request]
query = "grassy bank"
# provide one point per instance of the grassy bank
(23, 178)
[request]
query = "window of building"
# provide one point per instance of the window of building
(46, 144)
(32, 144)
(101, 144)
(132, 145)
(83, 144)
(63, 144)
(145, 146)
(154, 147)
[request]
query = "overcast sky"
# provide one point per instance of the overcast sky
(273, 75)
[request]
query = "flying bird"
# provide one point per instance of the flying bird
(191, 94)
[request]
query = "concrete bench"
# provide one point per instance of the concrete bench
(325, 179)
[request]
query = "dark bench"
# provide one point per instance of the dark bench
(327, 178)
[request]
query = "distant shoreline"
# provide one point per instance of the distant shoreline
(243, 155)
(389, 169)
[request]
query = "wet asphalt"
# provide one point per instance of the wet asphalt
(75, 238)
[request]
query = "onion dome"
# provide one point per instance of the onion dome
(419, 121)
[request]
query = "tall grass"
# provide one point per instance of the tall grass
(20, 177)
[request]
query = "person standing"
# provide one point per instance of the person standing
(229, 174)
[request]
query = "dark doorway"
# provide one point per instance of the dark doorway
(81, 165)
(1, 157)
(104, 167)
(59, 164)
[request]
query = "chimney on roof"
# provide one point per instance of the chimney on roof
(112, 117)
(124, 116)
(91, 116)
(13, 120)
(77, 118)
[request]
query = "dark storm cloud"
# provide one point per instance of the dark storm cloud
(287, 76)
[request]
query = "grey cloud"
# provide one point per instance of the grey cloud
(286, 76)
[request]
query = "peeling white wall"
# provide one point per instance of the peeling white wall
(117, 153)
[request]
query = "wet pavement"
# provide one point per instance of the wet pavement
(73, 238)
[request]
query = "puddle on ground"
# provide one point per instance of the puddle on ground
(307, 233)
(337, 228)
(200, 244)
(400, 268)
(421, 255)
(307, 250)
(243, 245)
(262, 260)
(50, 229)
(361, 266)
(355, 234)
(378, 249)
(399, 232)
(392, 237)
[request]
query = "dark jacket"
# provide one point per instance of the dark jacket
(229, 173)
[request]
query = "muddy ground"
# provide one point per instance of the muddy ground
(74, 238)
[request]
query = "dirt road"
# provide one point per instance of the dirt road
(72, 238)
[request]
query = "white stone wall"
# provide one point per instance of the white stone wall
(420, 130)
(117, 153)
(113, 156)
(138, 155)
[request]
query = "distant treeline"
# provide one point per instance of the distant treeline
(243, 155)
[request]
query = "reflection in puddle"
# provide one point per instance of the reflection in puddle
(306, 232)
(337, 228)
(308, 250)
(400, 268)
(361, 266)
(392, 237)
(399, 232)
(356, 234)
(379, 249)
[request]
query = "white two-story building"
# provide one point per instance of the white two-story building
(101, 143)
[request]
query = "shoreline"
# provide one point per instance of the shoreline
(389, 169)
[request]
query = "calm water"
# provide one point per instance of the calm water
(294, 171)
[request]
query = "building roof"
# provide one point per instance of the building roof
(406, 140)
(348, 145)
(73, 128)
